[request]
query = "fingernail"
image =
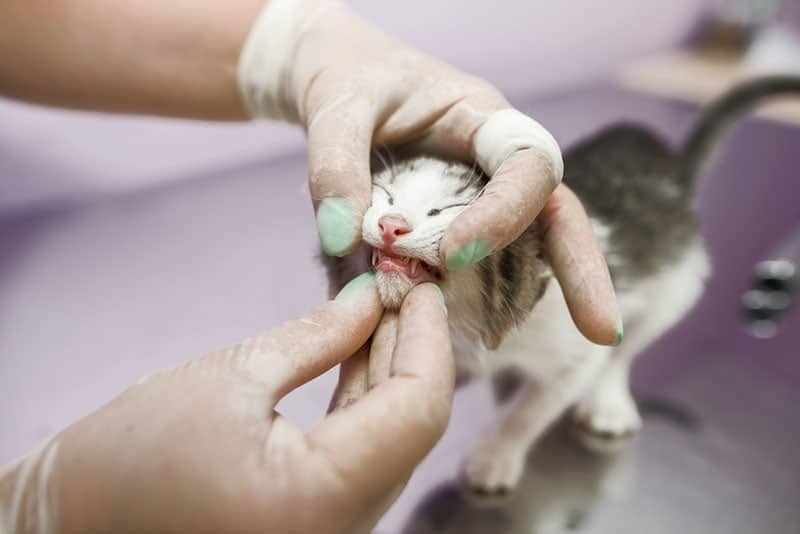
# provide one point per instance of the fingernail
(355, 286)
(472, 252)
(336, 226)
(620, 331)
(441, 296)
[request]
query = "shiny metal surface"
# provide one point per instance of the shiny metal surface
(718, 454)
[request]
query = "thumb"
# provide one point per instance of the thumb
(339, 142)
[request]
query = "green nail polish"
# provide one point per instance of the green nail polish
(336, 226)
(355, 286)
(472, 252)
(620, 332)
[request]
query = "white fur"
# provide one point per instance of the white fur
(561, 368)
(393, 289)
(415, 194)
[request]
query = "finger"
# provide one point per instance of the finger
(397, 423)
(300, 350)
(367, 368)
(353, 379)
(339, 141)
(452, 133)
(380, 355)
(524, 163)
(580, 268)
(511, 201)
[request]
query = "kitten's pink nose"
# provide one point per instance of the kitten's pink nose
(392, 226)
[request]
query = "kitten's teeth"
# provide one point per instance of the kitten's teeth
(374, 257)
(414, 265)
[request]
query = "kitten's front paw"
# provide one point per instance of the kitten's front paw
(610, 416)
(494, 468)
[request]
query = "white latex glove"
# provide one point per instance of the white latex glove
(316, 63)
(200, 448)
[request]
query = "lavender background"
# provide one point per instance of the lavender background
(128, 244)
(49, 156)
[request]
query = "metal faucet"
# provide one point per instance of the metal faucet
(774, 286)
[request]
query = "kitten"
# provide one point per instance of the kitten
(507, 314)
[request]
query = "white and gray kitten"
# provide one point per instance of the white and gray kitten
(507, 314)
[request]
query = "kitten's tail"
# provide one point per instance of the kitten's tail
(721, 116)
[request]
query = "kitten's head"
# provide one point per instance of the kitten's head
(413, 203)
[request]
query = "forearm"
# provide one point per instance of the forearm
(166, 58)
(60, 488)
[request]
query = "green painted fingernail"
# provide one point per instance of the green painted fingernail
(355, 286)
(620, 332)
(472, 252)
(336, 226)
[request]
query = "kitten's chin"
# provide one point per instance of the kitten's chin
(393, 288)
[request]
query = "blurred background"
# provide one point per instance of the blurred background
(128, 244)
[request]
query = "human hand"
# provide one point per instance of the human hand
(201, 448)
(316, 63)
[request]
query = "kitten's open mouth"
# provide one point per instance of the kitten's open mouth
(414, 269)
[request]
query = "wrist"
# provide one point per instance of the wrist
(54, 490)
(27, 499)
(276, 66)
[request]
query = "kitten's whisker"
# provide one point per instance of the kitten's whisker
(472, 174)
(391, 160)
(380, 157)
(479, 194)
(469, 181)
(510, 311)
(391, 165)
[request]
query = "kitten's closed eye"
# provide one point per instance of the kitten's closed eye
(436, 211)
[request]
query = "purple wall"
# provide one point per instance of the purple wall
(790, 12)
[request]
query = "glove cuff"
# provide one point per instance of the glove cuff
(508, 131)
(264, 71)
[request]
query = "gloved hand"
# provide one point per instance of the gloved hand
(316, 63)
(201, 448)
